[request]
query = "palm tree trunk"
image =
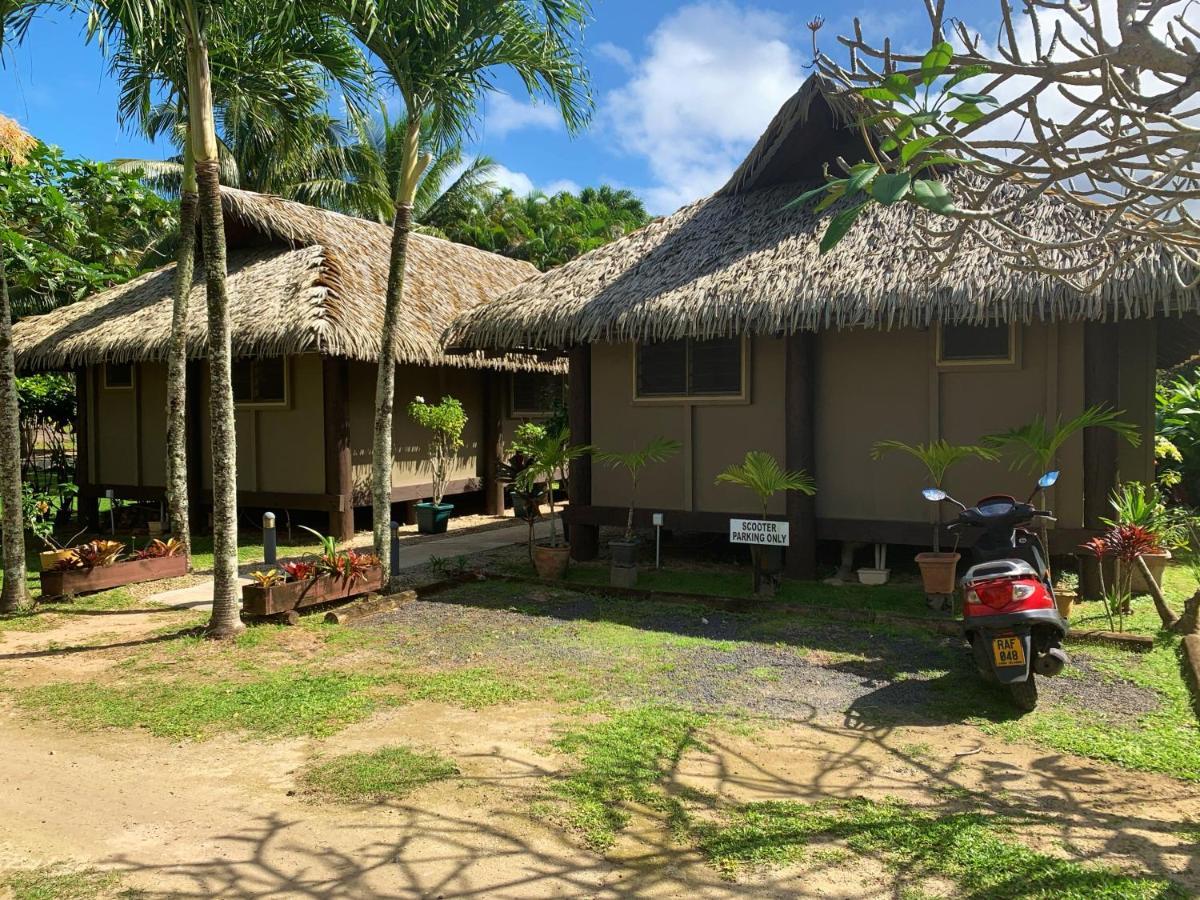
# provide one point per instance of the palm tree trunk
(13, 596)
(385, 381)
(185, 261)
(226, 618)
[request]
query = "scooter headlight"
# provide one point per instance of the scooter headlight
(1023, 591)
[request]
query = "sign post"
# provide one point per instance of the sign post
(767, 540)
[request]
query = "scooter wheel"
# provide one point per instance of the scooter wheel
(1024, 694)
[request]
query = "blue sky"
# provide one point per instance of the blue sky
(682, 90)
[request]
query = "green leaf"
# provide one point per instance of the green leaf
(807, 196)
(933, 195)
(889, 189)
(882, 94)
(903, 130)
(861, 178)
(967, 113)
(944, 159)
(912, 148)
(900, 84)
(971, 71)
(935, 62)
(839, 226)
(920, 120)
(975, 98)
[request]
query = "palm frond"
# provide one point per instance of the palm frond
(1035, 446)
(938, 457)
(761, 473)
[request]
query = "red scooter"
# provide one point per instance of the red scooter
(1010, 616)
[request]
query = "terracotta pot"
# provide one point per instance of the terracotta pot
(1157, 564)
(938, 571)
(48, 559)
(551, 562)
(1065, 600)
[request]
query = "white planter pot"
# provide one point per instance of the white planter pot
(873, 576)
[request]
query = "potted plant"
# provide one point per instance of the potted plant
(328, 575)
(446, 420)
(762, 474)
(521, 458)
(938, 457)
(624, 552)
(98, 566)
(1143, 505)
(552, 453)
(40, 516)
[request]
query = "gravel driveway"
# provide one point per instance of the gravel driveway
(760, 663)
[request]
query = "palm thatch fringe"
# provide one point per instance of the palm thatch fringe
(301, 280)
(740, 262)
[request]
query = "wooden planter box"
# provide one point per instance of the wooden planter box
(261, 601)
(102, 578)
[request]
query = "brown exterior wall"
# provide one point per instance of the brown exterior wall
(871, 385)
(280, 448)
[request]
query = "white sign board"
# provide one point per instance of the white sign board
(756, 531)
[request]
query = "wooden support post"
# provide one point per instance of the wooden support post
(1101, 384)
(585, 539)
(800, 398)
(89, 504)
(339, 478)
(492, 445)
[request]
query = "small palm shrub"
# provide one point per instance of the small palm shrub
(761, 473)
(656, 450)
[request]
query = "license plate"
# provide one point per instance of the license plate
(1008, 651)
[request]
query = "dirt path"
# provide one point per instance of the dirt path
(223, 817)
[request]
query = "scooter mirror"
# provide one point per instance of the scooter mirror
(1048, 479)
(934, 495)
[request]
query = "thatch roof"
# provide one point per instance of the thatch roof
(739, 262)
(301, 280)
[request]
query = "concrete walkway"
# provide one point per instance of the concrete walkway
(449, 547)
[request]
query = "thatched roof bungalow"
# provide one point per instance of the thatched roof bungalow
(722, 326)
(306, 293)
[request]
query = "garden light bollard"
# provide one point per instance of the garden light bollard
(657, 519)
(269, 541)
(394, 531)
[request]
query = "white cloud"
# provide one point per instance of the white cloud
(614, 53)
(505, 115)
(713, 76)
(518, 182)
(562, 184)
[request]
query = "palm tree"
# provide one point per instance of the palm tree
(171, 29)
(270, 86)
(15, 145)
(373, 162)
(938, 457)
(1035, 446)
(441, 57)
(761, 473)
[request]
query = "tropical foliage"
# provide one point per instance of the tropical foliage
(938, 457)
(1177, 438)
(657, 449)
(761, 473)
(915, 113)
(1035, 446)
(548, 231)
(551, 453)
(445, 420)
(72, 227)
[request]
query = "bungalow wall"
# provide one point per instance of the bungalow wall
(871, 385)
(281, 448)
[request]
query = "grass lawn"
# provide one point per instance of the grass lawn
(389, 773)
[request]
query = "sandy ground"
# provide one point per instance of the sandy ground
(224, 817)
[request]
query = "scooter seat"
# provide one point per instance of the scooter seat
(999, 568)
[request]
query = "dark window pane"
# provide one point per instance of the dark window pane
(243, 381)
(268, 380)
(118, 375)
(536, 393)
(717, 366)
(967, 342)
(259, 380)
(662, 369)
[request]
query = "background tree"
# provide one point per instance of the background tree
(1094, 102)
(15, 146)
(441, 58)
(548, 231)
